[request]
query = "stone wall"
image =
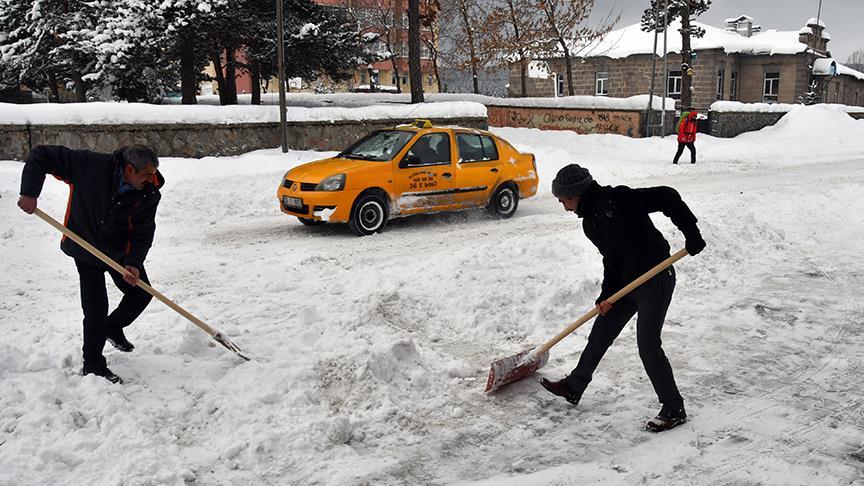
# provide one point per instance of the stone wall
(199, 140)
(728, 124)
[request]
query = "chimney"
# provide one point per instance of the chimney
(815, 36)
(742, 25)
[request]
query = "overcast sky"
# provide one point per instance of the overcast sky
(844, 18)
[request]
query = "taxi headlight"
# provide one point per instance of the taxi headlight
(332, 183)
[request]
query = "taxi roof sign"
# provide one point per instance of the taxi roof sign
(422, 123)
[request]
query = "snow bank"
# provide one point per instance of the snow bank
(140, 113)
(737, 106)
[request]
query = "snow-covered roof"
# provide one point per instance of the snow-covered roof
(633, 40)
(826, 35)
(739, 18)
(805, 30)
(813, 21)
(830, 67)
(846, 70)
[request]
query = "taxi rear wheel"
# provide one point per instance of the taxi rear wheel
(504, 201)
(311, 222)
(369, 215)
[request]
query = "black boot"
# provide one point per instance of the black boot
(562, 389)
(119, 341)
(102, 371)
(668, 418)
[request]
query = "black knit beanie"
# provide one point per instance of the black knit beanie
(571, 181)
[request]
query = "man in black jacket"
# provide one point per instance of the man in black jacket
(112, 205)
(616, 220)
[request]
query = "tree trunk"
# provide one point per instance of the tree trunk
(523, 74)
(216, 59)
(686, 79)
(414, 67)
(463, 9)
(523, 63)
(255, 72)
(393, 63)
(231, 75)
(52, 84)
(188, 76)
(568, 66)
(80, 87)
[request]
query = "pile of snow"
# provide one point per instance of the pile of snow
(737, 106)
(142, 113)
(633, 40)
(370, 354)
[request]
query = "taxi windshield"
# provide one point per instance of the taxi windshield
(379, 146)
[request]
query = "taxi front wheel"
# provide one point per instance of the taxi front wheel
(504, 202)
(369, 215)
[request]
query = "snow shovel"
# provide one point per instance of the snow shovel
(216, 335)
(521, 365)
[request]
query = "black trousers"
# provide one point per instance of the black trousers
(691, 146)
(650, 301)
(94, 302)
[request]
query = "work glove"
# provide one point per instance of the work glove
(694, 244)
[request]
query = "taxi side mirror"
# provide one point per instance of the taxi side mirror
(409, 160)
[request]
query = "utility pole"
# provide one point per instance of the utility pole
(280, 51)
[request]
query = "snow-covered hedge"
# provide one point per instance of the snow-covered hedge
(141, 113)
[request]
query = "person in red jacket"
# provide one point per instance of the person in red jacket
(687, 136)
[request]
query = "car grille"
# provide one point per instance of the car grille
(304, 186)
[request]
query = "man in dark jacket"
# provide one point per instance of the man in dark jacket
(616, 220)
(112, 205)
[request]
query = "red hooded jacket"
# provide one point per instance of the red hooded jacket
(687, 128)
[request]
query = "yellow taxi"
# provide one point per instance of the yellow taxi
(409, 169)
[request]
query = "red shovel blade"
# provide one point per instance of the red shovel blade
(510, 369)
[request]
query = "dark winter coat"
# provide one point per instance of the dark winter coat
(616, 220)
(120, 225)
(687, 128)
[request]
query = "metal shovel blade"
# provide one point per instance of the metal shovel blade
(224, 341)
(510, 369)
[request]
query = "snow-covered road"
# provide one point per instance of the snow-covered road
(371, 353)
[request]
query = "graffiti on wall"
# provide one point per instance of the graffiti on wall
(579, 121)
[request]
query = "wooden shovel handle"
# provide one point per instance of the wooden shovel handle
(116, 266)
(615, 297)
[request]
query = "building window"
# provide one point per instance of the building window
(771, 87)
(721, 80)
(560, 83)
(362, 79)
(394, 79)
(429, 80)
(404, 80)
(602, 84)
(674, 86)
(733, 87)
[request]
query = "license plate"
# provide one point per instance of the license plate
(292, 202)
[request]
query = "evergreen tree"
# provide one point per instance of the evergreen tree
(654, 18)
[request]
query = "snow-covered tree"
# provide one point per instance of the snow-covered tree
(654, 18)
(185, 39)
